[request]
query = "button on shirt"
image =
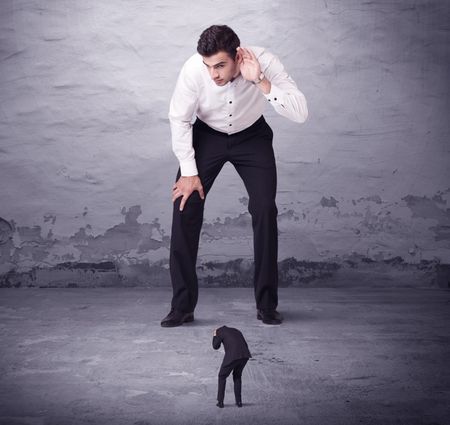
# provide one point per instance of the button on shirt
(230, 108)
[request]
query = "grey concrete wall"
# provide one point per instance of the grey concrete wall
(85, 159)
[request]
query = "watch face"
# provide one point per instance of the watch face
(260, 78)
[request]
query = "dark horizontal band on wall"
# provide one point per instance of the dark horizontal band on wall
(349, 272)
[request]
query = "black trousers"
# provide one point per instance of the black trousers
(237, 367)
(251, 153)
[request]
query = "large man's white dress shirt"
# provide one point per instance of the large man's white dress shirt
(230, 108)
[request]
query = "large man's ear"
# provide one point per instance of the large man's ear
(238, 57)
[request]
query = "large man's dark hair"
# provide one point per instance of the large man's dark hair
(218, 38)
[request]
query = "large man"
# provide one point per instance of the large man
(226, 87)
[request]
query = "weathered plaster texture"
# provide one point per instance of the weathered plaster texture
(86, 165)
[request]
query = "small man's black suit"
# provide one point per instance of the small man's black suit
(236, 357)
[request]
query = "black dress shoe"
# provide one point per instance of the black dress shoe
(220, 404)
(270, 317)
(239, 403)
(176, 318)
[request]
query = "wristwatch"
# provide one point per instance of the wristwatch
(260, 78)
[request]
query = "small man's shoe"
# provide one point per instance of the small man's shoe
(176, 318)
(220, 404)
(270, 317)
(239, 403)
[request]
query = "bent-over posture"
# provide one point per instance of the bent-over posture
(236, 357)
(226, 88)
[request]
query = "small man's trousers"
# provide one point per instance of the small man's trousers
(237, 366)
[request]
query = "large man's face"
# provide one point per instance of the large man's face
(221, 68)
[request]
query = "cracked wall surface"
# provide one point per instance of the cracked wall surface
(86, 166)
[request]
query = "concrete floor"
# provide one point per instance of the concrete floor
(343, 356)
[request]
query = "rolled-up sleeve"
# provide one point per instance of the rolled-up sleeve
(182, 108)
(284, 96)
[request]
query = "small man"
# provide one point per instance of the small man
(236, 357)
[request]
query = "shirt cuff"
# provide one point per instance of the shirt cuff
(275, 95)
(188, 168)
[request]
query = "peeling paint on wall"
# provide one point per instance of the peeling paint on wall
(352, 271)
(230, 227)
(330, 203)
(6, 231)
(432, 209)
(137, 253)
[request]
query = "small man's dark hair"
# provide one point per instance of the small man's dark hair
(218, 38)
